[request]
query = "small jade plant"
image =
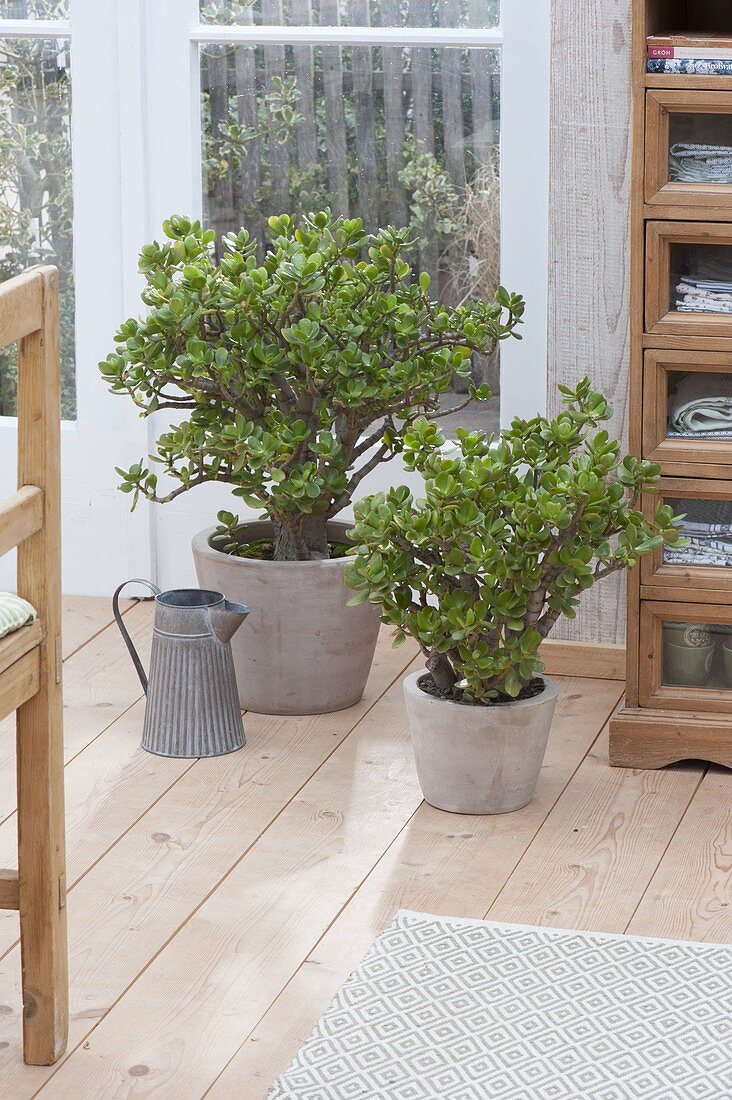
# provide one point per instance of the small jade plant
(294, 377)
(507, 537)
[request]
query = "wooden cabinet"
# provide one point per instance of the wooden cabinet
(678, 702)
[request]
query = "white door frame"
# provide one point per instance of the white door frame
(102, 542)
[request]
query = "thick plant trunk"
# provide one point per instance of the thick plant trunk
(442, 671)
(305, 539)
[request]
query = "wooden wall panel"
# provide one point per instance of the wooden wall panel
(589, 260)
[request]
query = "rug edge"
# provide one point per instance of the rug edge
(479, 922)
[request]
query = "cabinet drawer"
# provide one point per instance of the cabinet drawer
(685, 656)
(677, 171)
(686, 395)
(703, 569)
(689, 279)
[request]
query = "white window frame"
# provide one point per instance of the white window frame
(102, 542)
(523, 37)
(175, 184)
(524, 138)
(136, 148)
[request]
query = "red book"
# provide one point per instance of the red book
(691, 46)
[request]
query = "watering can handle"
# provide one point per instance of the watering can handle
(123, 629)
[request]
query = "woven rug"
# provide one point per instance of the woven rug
(449, 1009)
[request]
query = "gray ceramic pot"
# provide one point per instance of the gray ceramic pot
(305, 651)
(727, 664)
(691, 635)
(687, 666)
(478, 760)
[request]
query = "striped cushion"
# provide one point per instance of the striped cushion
(14, 613)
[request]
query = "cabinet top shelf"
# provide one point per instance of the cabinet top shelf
(684, 80)
(695, 16)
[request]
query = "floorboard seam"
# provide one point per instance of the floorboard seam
(13, 813)
(704, 772)
(365, 879)
(122, 713)
(109, 848)
(69, 1053)
(511, 873)
(124, 610)
(315, 945)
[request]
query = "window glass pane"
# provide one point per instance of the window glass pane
(701, 278)
(707, 524)
(34, 9)
(350, 13)
(697, 655)
(700, 148)
(394, 136)
(35, 186)
(699, 404)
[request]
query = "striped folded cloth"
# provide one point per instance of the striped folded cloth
(688, 163)
(708, 526)
(702, 403)
(14, 613)
(704, 295)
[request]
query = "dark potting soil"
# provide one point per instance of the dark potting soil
(455, 695)
(263, 550)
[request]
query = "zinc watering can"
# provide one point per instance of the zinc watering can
(192, 700)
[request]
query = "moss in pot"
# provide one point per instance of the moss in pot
(292, 379)
(506, 539)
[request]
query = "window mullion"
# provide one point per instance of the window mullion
(96, 186)
(525, 202)
(253, 34)
(172, 87)
(172, 144)
(35, 28)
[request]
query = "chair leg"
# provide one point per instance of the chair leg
(41, 842)
(41, 874)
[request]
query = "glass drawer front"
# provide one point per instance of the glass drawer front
(700, 148)
(685, 655)
(687, 412)
(698, 405)
(700, 278)
(688, 288)
(707, 527)
(697, 655)
(699, 565)
(688, 149)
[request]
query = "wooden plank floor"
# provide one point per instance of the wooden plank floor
(217, 905)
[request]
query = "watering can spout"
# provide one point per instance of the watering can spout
(226, 619)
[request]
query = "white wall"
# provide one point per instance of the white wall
(589, 260)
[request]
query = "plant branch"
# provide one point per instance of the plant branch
(451, 409)
(342, 500)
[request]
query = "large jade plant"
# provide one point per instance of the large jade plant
(293, 377)
(505, 540)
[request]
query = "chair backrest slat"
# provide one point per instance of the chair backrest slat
(21, 515)
(21, 305)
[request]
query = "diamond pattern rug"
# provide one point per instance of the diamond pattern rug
(449, 1009)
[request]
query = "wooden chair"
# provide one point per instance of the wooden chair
(30, 664)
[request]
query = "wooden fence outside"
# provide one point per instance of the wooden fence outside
(363, 115)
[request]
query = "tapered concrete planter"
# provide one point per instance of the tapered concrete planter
(478, 760)
(306, 651)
